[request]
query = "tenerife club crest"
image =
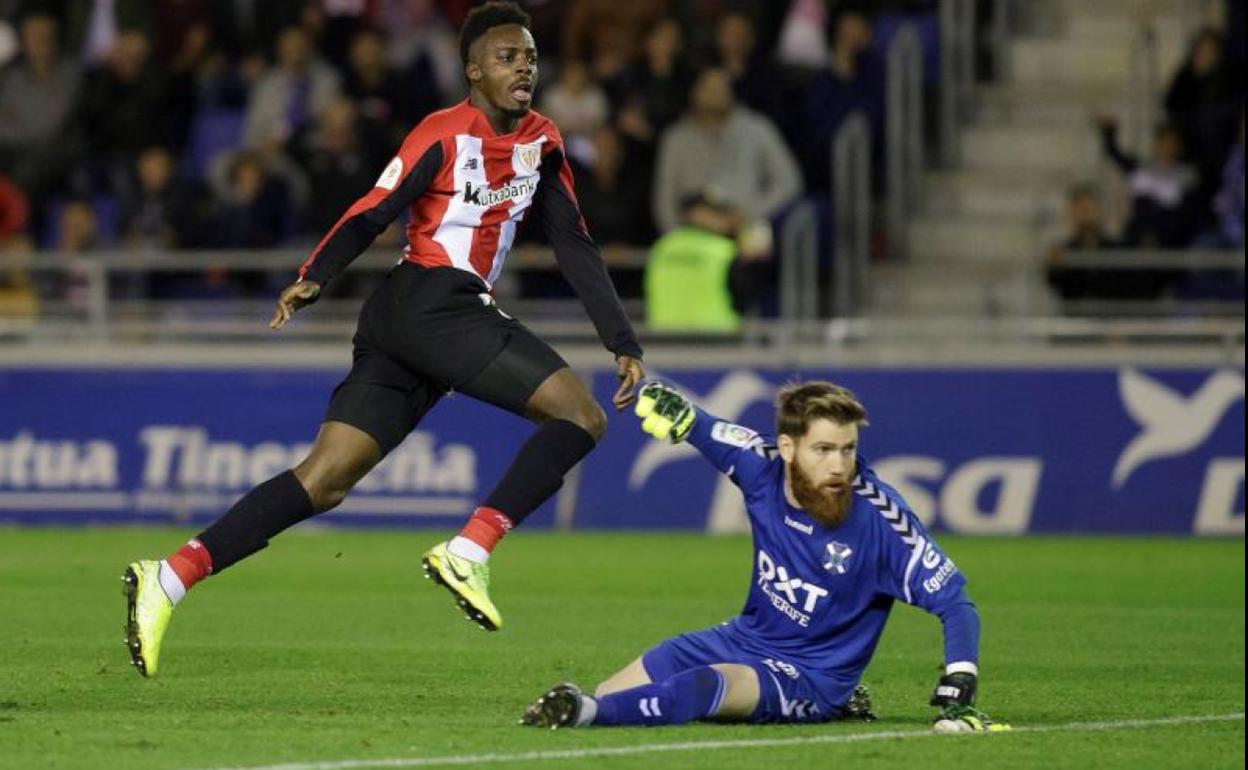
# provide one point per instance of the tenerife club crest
(834, 560)
(528, 156)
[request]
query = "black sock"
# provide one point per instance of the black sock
(537, 472)
(263, 512)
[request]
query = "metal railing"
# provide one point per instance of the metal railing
(903, 142)
(957, 73)
(799, 264)
(1171, 267)
(851, 214)
(1004, 16)
(94, 319)
(1143, 96)
(83, 294)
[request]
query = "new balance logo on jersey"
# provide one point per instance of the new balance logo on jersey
(484, 196)
(787, 593)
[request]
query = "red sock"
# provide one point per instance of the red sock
(192, 563)
(486, 527)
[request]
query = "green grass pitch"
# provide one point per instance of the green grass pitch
(330, 648)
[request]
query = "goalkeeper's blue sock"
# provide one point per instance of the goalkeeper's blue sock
(690, 695)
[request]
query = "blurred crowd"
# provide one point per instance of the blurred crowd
(164, 125)
(190, 124)
(1188, 193)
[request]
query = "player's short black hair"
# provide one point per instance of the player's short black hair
(480, 19)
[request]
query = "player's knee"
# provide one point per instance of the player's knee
(593, 420)
(585, 414)
(330, 497)
(326, 489)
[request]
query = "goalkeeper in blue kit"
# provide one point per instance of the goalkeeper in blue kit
(834, 548)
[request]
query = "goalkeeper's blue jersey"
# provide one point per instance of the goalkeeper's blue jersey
(820, 596)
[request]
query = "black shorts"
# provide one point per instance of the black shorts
(426, 332)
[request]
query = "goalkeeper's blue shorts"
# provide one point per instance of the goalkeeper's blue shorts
(787, 692)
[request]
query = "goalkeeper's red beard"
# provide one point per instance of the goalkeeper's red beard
(825, 504)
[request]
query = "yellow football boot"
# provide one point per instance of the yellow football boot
(148, 610)
(468, 582)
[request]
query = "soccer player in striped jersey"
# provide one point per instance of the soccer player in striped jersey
(467, 176)
(834, 548)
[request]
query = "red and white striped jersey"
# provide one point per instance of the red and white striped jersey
(467, 189)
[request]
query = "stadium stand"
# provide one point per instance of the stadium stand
(976, 116)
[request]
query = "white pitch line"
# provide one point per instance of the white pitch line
(748, 743)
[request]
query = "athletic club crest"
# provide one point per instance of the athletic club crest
(528, 156)
(837, 555)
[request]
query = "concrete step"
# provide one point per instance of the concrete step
(986, 193)
(1070, 61)
(1123, 9)
(1026, 148)
(954, 289)
(1171, 35)
(983, 239)
(1039, 103)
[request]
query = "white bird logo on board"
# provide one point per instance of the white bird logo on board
(1171, 424)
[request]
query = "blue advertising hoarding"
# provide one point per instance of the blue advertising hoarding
(110, 445)
(976, 451)
(982, 451)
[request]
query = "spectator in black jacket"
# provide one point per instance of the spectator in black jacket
(614, 194)
(123, 110)
(1165, 210)
(161, 211)
(1086, 221)
(1203, 103)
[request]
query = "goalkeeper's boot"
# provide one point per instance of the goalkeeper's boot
(966, 719)
(148, 610)
(559, 707)
(859, 707)
(468, 581)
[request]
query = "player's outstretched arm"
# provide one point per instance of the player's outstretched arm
(669, 415)
(294, 298)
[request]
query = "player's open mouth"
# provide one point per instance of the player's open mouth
(522, 92)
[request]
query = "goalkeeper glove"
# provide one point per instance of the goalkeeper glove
(665, 413)
(955, 690)
(955, 695)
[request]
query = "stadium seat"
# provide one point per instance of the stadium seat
(213, 132)
(107, 210)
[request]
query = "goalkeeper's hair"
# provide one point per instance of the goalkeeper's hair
(482, 18)
(800, 404)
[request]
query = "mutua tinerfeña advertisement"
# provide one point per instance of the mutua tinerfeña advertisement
(974, 451)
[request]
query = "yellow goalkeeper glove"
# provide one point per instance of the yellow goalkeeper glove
(664, 412)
